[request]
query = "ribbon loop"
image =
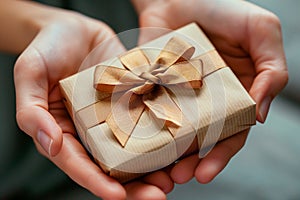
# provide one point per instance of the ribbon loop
(176, 50)
(135, 61)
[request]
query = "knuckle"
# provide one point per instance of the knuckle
(269, 21)
(282, 76)
(19, 65)
(273, 20)
(20, 115)
(285, 78)
(30, 64)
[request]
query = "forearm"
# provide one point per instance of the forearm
(20, 22)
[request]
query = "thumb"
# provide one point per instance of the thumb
(266, 86)
(270, 62)
(31, 83)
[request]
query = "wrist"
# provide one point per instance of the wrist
(21, 21)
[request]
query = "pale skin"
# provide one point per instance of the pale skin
(244, 34)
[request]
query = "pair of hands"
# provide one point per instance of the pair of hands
(246, 36)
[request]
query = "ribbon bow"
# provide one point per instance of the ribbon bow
(142, 85)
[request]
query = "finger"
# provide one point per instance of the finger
(161, 180)
(75, 162)
(151, 26)
(266, 49)
(31, 85)
(211, 165)
(143, 191)
(184, 170)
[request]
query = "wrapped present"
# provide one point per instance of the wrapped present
(146, 108)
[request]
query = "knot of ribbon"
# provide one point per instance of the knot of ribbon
(143, 85)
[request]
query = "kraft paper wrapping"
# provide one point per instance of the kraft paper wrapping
(218, 110)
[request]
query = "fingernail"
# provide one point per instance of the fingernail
(264, 108)
(45, 141)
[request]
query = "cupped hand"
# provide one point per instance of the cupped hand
(63, 39)
(248, 38)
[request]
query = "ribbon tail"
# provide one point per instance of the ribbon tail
(163, 107)
(211, 62)
(125, 115)
(94, 114)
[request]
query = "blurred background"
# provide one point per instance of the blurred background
(268, 167)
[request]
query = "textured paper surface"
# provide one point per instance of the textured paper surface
(221, 96)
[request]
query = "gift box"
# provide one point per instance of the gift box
(148, 107)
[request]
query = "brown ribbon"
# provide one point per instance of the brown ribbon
(142, 85)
